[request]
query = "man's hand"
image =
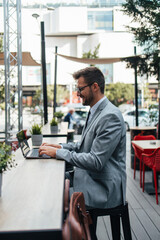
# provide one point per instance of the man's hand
(50, 151)
(51, 145)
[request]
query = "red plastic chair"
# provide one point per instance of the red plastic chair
(138, 153)
(153, 162)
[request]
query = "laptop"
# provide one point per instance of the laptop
(26, 151)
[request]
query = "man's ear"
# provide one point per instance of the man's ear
(95, 86)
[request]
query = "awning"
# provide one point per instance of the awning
(27, 59)
(97, 60)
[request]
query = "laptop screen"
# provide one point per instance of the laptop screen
(23, 142)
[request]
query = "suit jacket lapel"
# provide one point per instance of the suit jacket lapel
(91, 122)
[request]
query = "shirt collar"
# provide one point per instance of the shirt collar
(95, 106)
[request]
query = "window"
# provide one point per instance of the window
(100, 20)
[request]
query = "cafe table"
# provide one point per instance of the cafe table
(140, 130)
(148, 145)
(62, 130)
(31, 204)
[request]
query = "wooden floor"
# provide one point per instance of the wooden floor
(143, 210)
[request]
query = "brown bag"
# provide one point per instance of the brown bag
(76, 226)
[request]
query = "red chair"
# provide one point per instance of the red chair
(138, 153)
(153, 162)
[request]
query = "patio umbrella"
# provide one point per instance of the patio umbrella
(27, 59)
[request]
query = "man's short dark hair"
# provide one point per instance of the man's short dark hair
(91, 75)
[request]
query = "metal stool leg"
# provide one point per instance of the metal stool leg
(115, 226)
(126, 224)
(93, 226)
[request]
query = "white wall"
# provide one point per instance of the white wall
(120, 20)
(68, 20)
(66, 46)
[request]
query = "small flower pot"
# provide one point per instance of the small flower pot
(37, 139)
(54, 129)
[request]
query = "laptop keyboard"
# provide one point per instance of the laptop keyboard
(34, 153)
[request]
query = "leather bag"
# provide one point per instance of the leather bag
(76, 226)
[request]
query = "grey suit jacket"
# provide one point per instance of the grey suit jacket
(100, 158)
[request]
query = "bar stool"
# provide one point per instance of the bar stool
(117, 213)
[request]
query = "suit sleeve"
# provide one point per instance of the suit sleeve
(107, 135)
(71, 146)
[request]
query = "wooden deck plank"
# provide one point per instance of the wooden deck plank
(131, 199)
(102, 233)
(138, 231)
(154, 217)
(149, 201)
(148, 225)
(108, 226)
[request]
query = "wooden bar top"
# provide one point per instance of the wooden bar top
(32, 198)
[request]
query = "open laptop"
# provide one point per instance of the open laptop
(26, 151)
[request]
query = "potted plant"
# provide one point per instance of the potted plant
(58, 115)
(6, 160)
(54, 125)
(36, 134)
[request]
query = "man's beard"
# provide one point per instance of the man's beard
(87, 100)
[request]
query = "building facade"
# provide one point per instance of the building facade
(76, 27)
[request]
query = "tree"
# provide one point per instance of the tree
(37, 98)
(92, 55)
(62, 94)
(119, 93)
(1, 44)
(146, 15)
(2, 88)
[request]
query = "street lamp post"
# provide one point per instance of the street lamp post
(136, 87)
(55, 83)
(43, 62)
(43, 66)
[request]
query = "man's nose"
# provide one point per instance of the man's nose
(78, 94)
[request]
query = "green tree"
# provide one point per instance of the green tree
(1, 44)
(90, 54)
(37, 98)
(119, 93)
(146, 15)
(62, 94)
(2, 88)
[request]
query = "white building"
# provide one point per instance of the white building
(75, 30)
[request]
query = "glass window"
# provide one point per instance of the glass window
(100, 20)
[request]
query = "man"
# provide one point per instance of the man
(68, 118)
(100, 157)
